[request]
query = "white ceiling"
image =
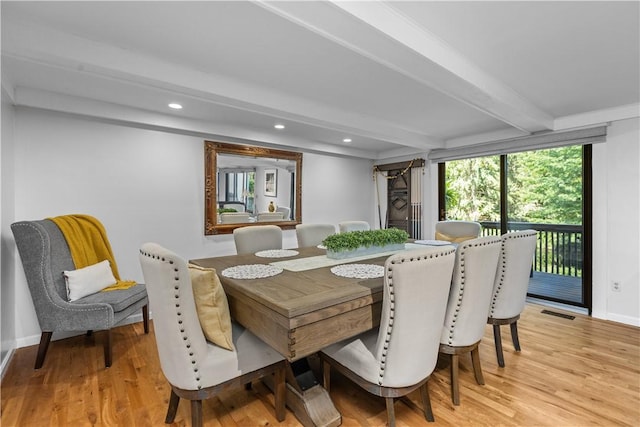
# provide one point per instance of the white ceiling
(396, 77)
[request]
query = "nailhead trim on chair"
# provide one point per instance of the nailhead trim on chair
(387, 339)
(462, 248)
(503, 267)
(185, 338)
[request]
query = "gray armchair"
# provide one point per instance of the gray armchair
(45, 255)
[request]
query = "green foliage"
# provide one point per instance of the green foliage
(543, 186)
(549, 186)
(225, 210)
(355, 239)
(473, 189)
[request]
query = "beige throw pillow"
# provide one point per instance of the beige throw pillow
(212, 306)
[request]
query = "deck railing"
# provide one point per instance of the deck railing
(559, 246)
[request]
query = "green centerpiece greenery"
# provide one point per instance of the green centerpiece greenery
(226, 210)
(355, 243)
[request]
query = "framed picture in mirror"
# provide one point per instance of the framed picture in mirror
(270, 182)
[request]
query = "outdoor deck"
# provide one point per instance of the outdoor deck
(567, 288)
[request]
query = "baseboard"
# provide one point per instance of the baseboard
(627, 320)
(565, 307)
(5, 363)
(613, 317)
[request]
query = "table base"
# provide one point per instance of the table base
(312, 406)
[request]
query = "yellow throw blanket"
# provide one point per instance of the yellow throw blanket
(88, 243)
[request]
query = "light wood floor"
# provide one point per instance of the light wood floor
(579, 372)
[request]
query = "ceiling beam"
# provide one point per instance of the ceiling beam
(49, 47)
(376, 30)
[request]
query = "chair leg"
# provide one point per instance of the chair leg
(174, 400)
(497, 338)
(455, 392)
(107, 348)
(477, 369)
(45, 339)
(326, 375)
(514, 335)
(145, 318)
(391, 413)
(196, 413)
(90, 332)
(426, 402)
(280, 393)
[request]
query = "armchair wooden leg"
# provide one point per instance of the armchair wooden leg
(514, 335)
(477, 369)
(426, 402)
(497, 338)
(174, 400)
(196, 413)
(391, 413)
(455, 391)
(145, 318)
(107, 348)
(280, 393)
(45, 339)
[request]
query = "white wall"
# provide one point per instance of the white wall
(146, 186)
(616, 223)
(7, 251)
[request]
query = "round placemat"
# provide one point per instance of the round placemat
(276, 253)
(358, 271)
(251, 271)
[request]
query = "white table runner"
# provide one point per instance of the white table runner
(302, 264)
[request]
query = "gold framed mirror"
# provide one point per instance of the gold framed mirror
(247, 185)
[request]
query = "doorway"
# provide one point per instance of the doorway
(545, 190)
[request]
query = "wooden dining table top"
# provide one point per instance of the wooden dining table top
(293, 294)
(299, 312)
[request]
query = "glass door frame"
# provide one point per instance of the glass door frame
(587, 219)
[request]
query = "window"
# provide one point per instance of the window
(548, 190)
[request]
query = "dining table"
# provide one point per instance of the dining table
(299, 301)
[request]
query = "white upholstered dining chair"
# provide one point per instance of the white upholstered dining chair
(457, 231)
(195, 368)
(465, 320)
(269, 216)
(400, 355)
(286, 212)
(255, 238)
(346, 226)
(234, 217)
(313, 234)
(510, 286)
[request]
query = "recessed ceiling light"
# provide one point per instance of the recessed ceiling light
(346, 140)
(175, 106)
(279, 126)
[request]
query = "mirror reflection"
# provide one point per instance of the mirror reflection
(250, 185)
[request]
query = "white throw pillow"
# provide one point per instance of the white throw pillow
(88, 280)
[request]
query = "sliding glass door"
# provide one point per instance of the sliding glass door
(546, 190)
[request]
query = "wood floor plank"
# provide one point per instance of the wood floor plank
(580, 372)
